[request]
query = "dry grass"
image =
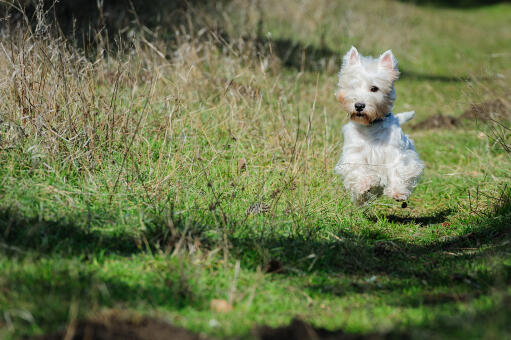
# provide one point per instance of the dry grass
(108, 119)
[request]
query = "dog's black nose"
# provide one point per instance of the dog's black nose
(359, 106)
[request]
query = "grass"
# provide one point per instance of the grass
(135, 181)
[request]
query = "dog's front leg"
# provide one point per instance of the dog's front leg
(402, 179)
(359, 181)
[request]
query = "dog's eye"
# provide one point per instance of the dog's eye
(374, 89)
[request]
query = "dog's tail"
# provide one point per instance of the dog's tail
(403, 117)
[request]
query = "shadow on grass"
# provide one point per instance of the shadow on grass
(436, 263)
(68, 238)
(375, 253)
(371, 252)
(437, 217)
(78, 17)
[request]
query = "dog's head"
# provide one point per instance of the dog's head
(366, 86)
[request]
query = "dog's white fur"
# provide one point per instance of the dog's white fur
(377, 157)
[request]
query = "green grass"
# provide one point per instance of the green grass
(121, 186)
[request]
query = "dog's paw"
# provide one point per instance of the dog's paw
(396, 194)
(399, 196)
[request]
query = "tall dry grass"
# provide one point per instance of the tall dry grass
(155, 121)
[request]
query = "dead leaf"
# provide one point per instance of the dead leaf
(242, 165)
(220, 306)
(274, 193)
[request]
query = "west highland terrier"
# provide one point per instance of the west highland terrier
(377, 157)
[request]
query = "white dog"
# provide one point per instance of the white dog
(377, 157)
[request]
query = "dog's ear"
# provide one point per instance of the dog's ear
(388, 61)
(351, 58)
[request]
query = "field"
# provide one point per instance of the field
(182, 170)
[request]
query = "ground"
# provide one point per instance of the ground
(188, 176)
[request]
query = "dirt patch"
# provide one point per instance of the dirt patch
(491, 110)
(436, 122)
(300, 330)
(116, 328)
(496, 109)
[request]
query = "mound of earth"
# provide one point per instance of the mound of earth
(491, 110)
(495, 109)
(114, 327)
(300, 330)
(436, 122)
